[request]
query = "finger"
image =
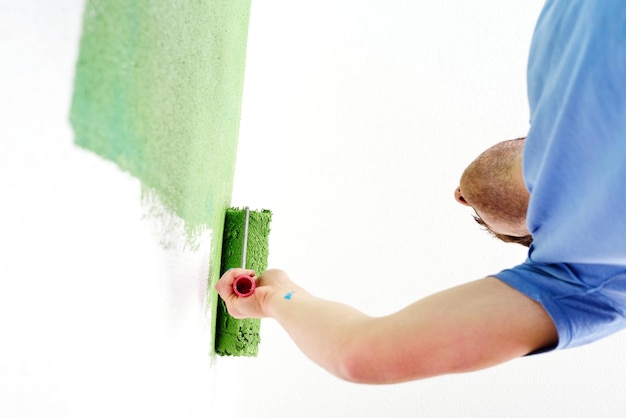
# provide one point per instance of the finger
(236, 272)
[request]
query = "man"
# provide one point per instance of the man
(563, 188)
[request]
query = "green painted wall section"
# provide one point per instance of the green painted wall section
(158, 91)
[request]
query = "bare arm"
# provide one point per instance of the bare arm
(469, 327)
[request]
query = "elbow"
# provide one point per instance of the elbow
(348, 363)
(375, 364)
(351, 369)
(367, 355)
(354, 371)
(360, 365)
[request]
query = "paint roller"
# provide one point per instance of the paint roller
(245, 243)
(244, 285)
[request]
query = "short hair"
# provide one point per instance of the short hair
(488, 183)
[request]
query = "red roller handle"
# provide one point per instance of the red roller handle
(244, 286)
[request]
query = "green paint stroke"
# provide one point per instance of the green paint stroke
(158, 91)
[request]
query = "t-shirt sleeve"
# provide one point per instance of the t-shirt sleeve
(584, 302)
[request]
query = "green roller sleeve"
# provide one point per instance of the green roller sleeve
(241, 337)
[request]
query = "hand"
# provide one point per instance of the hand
(270, 283)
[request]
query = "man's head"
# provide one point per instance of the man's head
(493, 186)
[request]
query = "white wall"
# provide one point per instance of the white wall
(96, 320)
(358, 118)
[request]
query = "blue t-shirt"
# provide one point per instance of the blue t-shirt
(575, 169)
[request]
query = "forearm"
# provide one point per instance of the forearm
(326, 332)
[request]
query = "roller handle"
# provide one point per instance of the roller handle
(244, 286)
